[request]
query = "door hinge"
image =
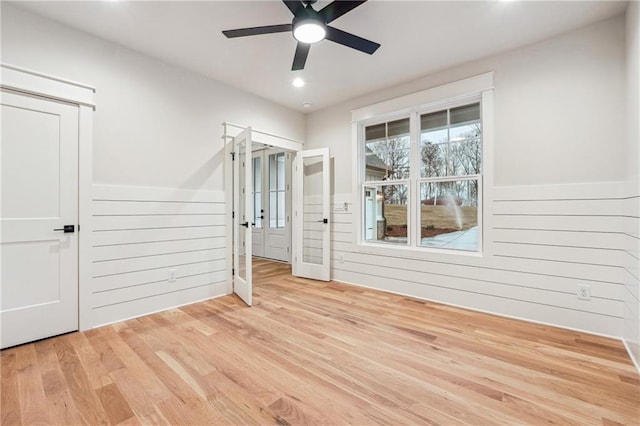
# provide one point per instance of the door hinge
(233, 156)
(233, 215)
(233, 271)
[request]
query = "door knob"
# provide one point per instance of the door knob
(67, 229)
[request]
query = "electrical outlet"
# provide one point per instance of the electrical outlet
(584, 292)
(171, 275)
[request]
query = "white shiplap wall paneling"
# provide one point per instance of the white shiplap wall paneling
(547, 240)
(138, 234)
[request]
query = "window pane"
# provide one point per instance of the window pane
(465, 114)
(449, 215)
(312, 214)
(281, 170)
(388, 159)
(273, 172)
(385, 213)
(257, 191)
(398, 128)
(257, 209)
(451, 150)
(273, 209)
(433, 158)
(433, 120)
(379, 131)
(281, 209)
(465, 158)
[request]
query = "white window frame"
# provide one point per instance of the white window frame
(474, 89)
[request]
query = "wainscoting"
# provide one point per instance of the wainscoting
(542, 242)
(139, 235)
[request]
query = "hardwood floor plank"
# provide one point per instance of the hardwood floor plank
(10, 400)
(139, 401)
(78, 383)
(114, 404)
(32, 397)
(62, 409)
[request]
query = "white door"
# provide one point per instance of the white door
(39, 160)
(311, 219)
(243, 216)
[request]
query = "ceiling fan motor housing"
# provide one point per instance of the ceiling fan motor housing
(308, 16)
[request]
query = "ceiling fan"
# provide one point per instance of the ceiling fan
(310, 26)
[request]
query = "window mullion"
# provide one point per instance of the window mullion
(414, 192)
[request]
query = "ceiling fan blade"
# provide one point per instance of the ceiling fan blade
(295, 6)
(269, 29)
(351, 40)
(300, 58)
(336, 9)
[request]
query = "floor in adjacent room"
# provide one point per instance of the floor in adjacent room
(314, 352)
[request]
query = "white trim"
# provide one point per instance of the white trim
(39, 84)
(231, 130)
(85, 188)
(42, 85)
(485, 223)
(630, 353)
(449, 92)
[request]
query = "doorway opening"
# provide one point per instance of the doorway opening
(271, 195)
(277, 206)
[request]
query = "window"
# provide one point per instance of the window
(423, 188)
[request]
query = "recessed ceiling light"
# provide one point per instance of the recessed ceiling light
(297, 82)
(306, 105)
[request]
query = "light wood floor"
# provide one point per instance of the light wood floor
(312, 352)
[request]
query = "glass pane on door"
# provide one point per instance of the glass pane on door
(242, 188)
(277, 190)
(312, 210)
(258, 211)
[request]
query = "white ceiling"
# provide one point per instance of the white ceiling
(417, 37)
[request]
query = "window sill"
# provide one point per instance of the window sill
(422, 253)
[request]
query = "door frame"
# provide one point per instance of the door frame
(32, 83)
(230, 131)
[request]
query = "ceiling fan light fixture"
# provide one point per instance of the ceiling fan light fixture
(309, 31)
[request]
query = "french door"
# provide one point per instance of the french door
(243, 216)
(311, 219)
